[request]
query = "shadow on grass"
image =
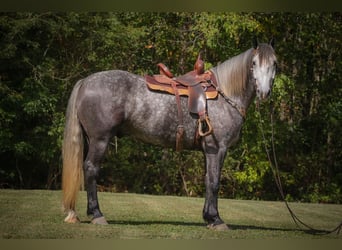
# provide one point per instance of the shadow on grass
(198, 224)
(150, 222)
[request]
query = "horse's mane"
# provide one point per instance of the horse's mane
(232, 74)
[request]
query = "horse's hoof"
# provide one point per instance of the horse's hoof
(219, 227)
(99, 221)
(72, 218)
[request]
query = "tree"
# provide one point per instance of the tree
(42, 55)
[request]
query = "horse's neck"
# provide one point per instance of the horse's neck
(233, 72)
(244, 99)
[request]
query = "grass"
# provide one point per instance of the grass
(36, 214)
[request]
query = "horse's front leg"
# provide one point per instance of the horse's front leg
(214, 157)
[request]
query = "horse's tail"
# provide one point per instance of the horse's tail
(72, 151)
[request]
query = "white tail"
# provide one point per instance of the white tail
(72, 151)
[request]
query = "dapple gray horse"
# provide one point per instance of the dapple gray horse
(116, 103)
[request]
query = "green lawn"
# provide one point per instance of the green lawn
(37, 214)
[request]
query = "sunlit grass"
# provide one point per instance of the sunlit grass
(37, 214)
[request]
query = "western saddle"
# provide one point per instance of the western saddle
(198, 85)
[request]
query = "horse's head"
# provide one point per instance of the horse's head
(263, 68)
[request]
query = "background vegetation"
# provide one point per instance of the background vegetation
(42, 55)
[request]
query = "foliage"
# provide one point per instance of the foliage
(42, 55)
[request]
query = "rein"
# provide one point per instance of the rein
(276, 175)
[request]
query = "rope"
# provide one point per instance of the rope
(276, 175)
(241, 110)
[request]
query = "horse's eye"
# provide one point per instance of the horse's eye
(254, 63)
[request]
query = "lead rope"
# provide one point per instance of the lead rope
(276, 175)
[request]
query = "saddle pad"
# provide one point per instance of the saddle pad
(163, 83)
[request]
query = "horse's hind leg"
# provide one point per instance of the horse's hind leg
(96, 151)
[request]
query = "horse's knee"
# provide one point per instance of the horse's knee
(212, 184)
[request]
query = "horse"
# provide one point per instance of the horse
(118, 103)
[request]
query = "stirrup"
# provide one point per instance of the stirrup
(208, 127)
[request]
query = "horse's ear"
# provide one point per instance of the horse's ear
(272, 42)
(255, 42)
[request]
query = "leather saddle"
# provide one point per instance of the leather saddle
(198, 85)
